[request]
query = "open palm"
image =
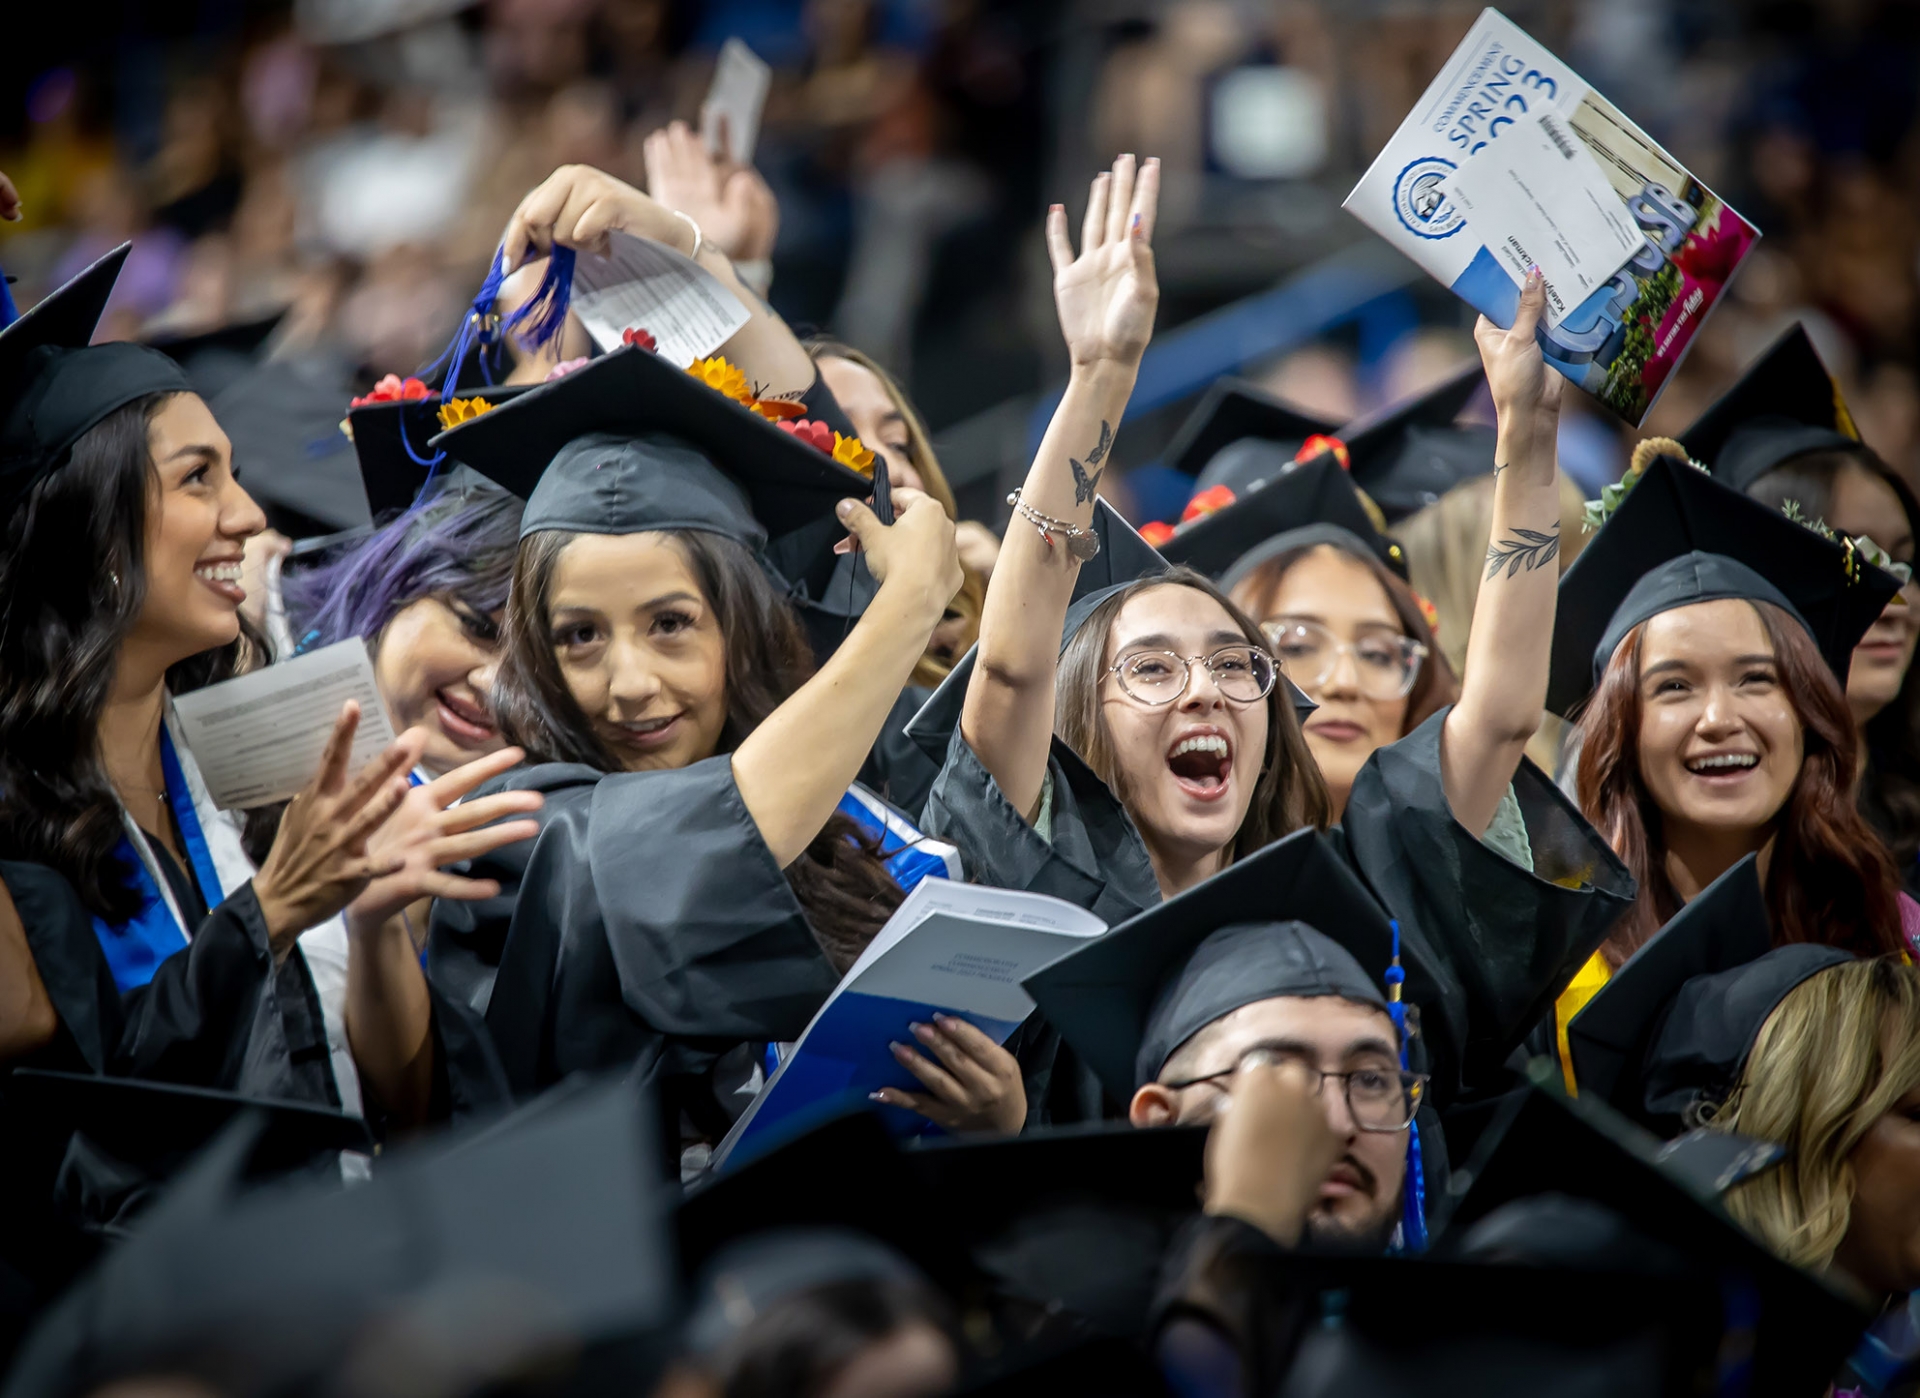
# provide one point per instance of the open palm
(1107, 295)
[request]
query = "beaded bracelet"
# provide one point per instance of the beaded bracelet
(1083, 545)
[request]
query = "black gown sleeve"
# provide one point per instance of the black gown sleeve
(1511, 938)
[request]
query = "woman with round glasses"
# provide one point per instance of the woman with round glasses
(1351, 635)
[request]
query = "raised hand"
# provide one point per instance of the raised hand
(736, 211)
(1526, 393)
(429, 831)
(1270, 1149)
(975, 1085)
(320, 860)
(1107, 295)
(577, 207)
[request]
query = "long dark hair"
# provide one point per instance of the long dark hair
(1290, 792)
(1890, 787)
(72, 582)
(1434, 687)
(840, 880)
(1830, 879)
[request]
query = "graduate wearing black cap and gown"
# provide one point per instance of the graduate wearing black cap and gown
(652, 925)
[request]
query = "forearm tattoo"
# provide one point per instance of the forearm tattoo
(1523, 548)
(1084, 485)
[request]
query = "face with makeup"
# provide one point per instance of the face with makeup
(198, 523)
(1188, 766)
(876, 418)
(434, 665)
(1863, 503)
(1720, 743)
(1360, 1198)
(640, 647)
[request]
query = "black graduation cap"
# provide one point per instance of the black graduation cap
(1724, 926)
(1784, 404)
(1274, 515)
(55, 384)
(1682, 537)
(136, 1119)
(1291, 919)
(632, 393)
(283, 418)
(1234, 410)
(752, 1275)
(1408, 454)
(382, 435)
(1543, 1143)
(214, 358)
(472, 1255)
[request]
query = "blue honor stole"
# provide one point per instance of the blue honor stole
(135, 948)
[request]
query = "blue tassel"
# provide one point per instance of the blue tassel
(539, 322)
(9, 313)
(1413, 1214)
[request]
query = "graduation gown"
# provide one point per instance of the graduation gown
(646, 927)
(1508, 934)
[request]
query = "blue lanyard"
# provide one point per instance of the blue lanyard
(134, 949)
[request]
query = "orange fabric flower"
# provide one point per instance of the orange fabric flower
(1214, 497)
(460, 410)
(722, 377)
(394, 389)
(1156, 532)
(778, 409)
(1430, 612)
(853, 454)
(1320, 442)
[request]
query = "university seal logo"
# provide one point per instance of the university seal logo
(1418, 202)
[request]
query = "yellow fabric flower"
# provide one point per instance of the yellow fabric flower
(458, 410)
(721, 376)
(849, 452)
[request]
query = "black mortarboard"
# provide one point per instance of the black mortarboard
(213, 359)
(55, 384)
(1546, 1144)
(283, 418)
(390, 441)
(1681, 537)
(633, 394)
(1724, 926)
(554, 1230)
(1233, 410)
(752, 1275)
(1289, 920)
(1408, 454)
(1784, 404)
(1276, 515)
(158, 1124)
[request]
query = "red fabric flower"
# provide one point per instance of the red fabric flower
(1320, 442)
(815, 434)
(394, 389)
(1430, 612)
(1214, 497)
(641, 336)
(1156, 532)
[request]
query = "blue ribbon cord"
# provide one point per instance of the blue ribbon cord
(9, 313)
(1413, 1213)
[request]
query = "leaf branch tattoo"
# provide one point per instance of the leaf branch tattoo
(1523, 548)
(1085, 485)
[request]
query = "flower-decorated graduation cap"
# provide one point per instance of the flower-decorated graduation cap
(1309, 503)
(1785, 403)
(55, 384)
(1680, 537)
(1239, 434)
(1408, 454)
(391, 428)
(1723, 927)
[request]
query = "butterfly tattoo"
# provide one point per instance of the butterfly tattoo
(1085, 485)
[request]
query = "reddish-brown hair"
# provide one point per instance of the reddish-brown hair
(1830, 879)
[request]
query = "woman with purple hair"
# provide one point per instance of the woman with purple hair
(428, 591)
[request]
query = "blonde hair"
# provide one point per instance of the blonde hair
(1834, 1057)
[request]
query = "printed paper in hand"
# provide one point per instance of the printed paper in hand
(1623, 341)
(739, 91)
(1554, 207)
(259, 738)
(686, 309)
(952, 948)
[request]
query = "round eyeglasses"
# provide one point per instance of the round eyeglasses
(1242, 674)
(1386, 663)
(1378, 1099)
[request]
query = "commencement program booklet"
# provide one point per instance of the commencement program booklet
(957, 949)
(1508, 160)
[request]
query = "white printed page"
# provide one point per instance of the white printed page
(644, 285)
(259, 738)
(1539, 197)
(739, 93)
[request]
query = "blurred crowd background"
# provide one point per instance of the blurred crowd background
(351, 163)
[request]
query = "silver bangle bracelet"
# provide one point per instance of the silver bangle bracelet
(699, 238)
